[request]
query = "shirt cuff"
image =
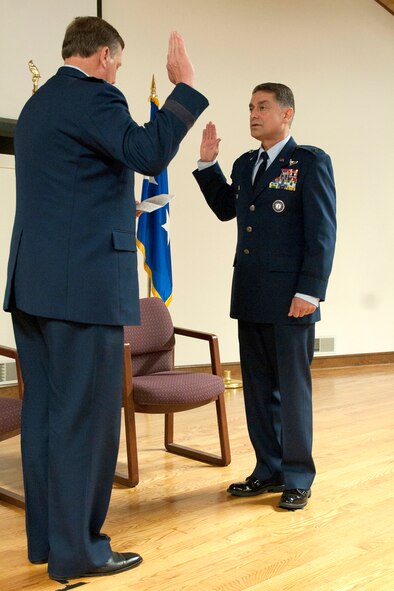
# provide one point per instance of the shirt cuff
(308, 298)
(201, 165)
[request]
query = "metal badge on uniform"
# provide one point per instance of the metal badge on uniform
(293, 162)
(287, 180)
(278, 206)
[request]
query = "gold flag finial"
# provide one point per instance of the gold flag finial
(35, 75)
(153, 88)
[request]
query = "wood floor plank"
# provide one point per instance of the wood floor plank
(194, 536)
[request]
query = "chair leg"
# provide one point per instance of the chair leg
(12, 498)
(132, 478)
(223, 430)
(169, 429)
(225, 457)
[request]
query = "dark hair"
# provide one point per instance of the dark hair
(283, 94)
(86, 34)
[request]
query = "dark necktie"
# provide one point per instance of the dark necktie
(261, 169)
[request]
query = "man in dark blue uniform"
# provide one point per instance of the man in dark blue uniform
(283, 197)
(72, 284)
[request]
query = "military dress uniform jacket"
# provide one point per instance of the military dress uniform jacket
(73, 249)
(286, 230)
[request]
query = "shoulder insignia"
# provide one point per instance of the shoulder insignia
(247, 155)
(312, 149)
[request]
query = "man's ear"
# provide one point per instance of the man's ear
(104, 53)
(289, 114)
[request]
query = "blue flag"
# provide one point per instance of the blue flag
(153, 235)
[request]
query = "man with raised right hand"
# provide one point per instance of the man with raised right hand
(72, 284)
(283, 197)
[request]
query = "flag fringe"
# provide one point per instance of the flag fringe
(150, 275)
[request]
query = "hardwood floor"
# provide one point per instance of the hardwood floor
(194, 536)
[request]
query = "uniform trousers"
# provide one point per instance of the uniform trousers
(70, 430)
(275, 363)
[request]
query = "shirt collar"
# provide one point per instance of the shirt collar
(75, 68)
(274, 150)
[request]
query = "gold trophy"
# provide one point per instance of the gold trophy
(35, 75)
(229, 382)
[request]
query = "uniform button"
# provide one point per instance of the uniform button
(246, 251)
(249, 228)
(252, 208)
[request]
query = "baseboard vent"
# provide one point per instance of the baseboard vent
(8, 373)
(325, 345)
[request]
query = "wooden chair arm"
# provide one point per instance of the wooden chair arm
(195, 334)
(213, 345)
(8, 352)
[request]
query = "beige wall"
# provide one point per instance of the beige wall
(337, 57)
(32, 30)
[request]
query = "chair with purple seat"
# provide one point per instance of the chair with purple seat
(152, 385)
(10, 421)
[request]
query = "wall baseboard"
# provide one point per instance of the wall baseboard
(9, 391)
(354, 360)
(319, 362)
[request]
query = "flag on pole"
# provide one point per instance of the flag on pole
(153, 235)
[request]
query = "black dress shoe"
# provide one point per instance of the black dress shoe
(252, 487)
(294, 498)
(118, 562)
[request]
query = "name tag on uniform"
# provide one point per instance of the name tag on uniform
(287, 180)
